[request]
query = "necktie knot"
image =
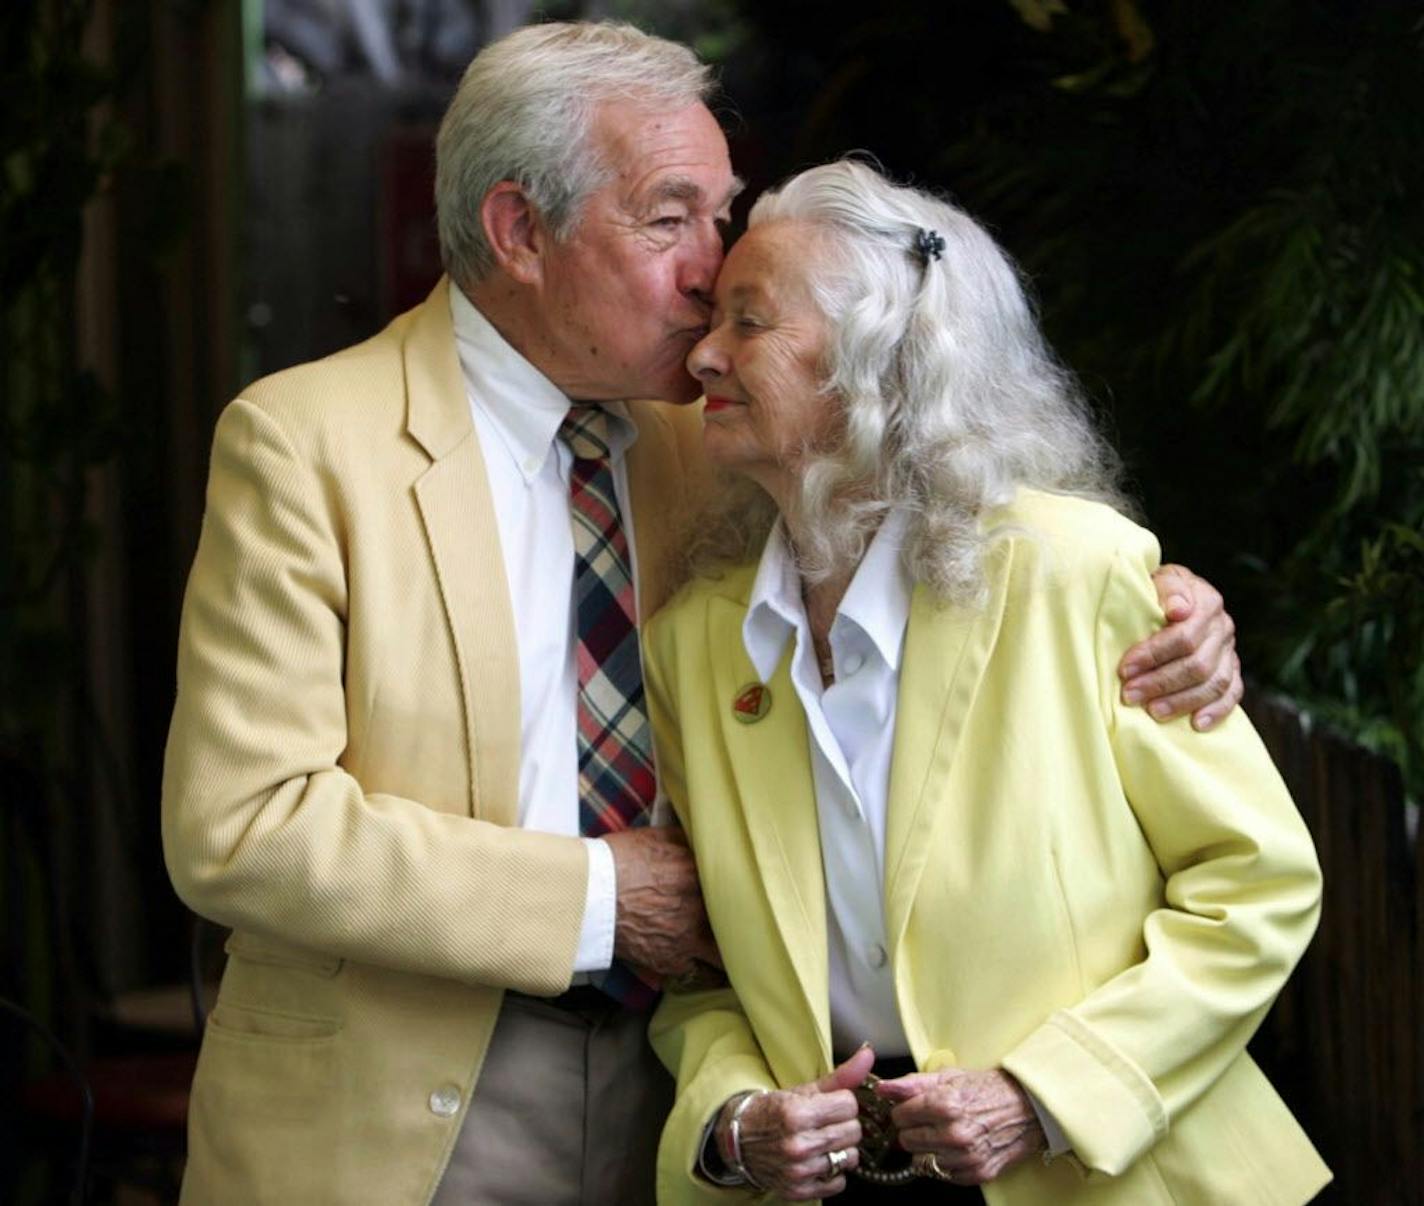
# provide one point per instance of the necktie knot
(585, 431)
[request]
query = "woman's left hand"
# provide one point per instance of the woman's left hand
(976, 1124)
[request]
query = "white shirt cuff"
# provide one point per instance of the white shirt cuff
(600, 910)
(1057, 1140)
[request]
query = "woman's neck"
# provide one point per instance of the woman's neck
(822, 600)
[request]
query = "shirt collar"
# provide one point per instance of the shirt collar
(774, 609)
(524, 407)
(877, 599)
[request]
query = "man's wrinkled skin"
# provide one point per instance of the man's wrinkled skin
(662, 925)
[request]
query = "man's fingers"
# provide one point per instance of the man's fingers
(1194, 610)
(1207, 717)
(1176, 590)
(1183, 703)
(1189, 683)
(1165, 648)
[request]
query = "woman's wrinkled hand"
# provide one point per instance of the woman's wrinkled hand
(976, 1124)
(787, 1135)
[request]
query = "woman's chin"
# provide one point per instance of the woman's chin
(721, 446)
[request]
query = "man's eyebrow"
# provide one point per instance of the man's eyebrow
(684, 188)
(738, 184)
(676, 188)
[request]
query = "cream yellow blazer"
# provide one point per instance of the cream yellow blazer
(342, 771)
(1102, 905)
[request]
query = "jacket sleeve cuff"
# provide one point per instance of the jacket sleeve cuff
(1109, 1111)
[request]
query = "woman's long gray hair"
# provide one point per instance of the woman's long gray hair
(951, 398)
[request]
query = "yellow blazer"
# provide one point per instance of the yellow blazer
(1103, 905)
(342, 770)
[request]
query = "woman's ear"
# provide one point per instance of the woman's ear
(514, 232)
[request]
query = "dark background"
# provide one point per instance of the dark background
(1220, 206)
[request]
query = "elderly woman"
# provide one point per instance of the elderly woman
(931, 836)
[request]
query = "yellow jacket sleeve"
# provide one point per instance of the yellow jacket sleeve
(1242, 896)
(263, 827)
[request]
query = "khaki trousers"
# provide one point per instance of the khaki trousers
(567, 1111)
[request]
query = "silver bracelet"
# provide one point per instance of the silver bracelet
(734, 1138)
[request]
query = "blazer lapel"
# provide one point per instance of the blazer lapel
(946, 652)
(771, 764)
(458, 513)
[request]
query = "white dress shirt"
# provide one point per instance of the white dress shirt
(517, 413)
(851, 724)
(852, 730)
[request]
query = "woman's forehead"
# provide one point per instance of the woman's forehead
(773, 258)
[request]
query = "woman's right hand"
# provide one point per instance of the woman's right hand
(787, 1135)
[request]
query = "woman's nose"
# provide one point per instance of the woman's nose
(706, 360)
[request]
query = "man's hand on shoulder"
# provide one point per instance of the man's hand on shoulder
(1191, 664)
(661, 924)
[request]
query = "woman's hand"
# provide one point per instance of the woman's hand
(976, 1124)
(787, 1135)
(1191, 664)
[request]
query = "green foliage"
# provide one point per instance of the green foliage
(1276, 208)
(1222, 208)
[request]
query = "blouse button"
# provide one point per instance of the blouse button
(445, 1101)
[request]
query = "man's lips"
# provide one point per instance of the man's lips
(715, 403)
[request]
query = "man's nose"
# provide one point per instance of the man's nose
(704, 261)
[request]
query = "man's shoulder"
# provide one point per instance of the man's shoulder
(363, 382)
(670, 424)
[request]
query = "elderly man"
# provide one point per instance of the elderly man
(409, 762)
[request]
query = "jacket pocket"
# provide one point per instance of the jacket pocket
(269, 1115)
(247, 945)
(238, 1022)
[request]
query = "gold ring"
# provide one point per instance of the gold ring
(836, 1162)
(925, 1165)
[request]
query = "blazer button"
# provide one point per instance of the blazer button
(876, 956)
(445, 1101)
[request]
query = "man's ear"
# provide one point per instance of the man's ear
(514, 232)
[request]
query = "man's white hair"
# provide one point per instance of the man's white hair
(949, 397)
(522, 113)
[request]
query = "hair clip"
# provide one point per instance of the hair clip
(929, 245)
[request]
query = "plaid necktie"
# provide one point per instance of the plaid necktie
(615, 762)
